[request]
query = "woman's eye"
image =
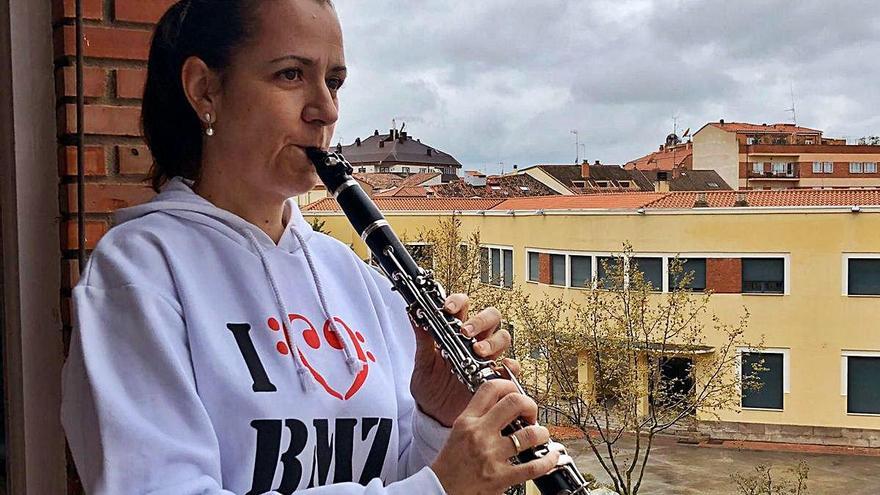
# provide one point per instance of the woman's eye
(335, 83)
(290, 74)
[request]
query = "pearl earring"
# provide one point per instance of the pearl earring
(210, 130)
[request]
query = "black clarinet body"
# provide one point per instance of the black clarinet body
(425, 298)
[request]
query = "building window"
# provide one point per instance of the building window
(750, 140)
(817, 167)
(758, 167)
(870, 167)
(763, 275)
(863, 276)
(769, 369)
(422, 253)
(624, 184)
(606, 270)
(405, 170)
(496, 266)
(696, 268)
(384, 170)
(602, 183)
(828, 167)
(862, 393)
(581, 271)
(557, 269)
(362, 170)
(779, 168)
(855, 167)
(651, 269)
(534, 267)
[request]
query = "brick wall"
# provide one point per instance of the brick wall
(724, 275)
(117, 34)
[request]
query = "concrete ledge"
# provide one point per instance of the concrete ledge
(813, 435)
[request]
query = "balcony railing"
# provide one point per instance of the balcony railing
(786, 174)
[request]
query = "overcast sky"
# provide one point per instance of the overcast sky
(492, 81)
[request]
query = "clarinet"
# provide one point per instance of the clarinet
(425, 298)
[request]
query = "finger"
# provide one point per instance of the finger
(528, 437)
(457, 305)
(487, 396)
(521, 473)
(510, 407)
(486, 321)
(493, 346)
(513, 366)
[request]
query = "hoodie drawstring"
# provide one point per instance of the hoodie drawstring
(354, 365)
(305, 380)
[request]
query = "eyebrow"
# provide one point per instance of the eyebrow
(307, 62)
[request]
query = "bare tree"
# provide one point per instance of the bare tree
(624, 363)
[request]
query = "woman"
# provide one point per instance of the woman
(221, 345)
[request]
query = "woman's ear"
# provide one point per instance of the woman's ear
(201, 84)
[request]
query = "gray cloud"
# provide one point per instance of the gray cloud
(494, 81)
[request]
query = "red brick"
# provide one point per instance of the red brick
(107, 198)
(66, 9)
(103, 42)
(94, 82)
(94, 231)
(724, 275)
(141, 10)
(544, 268)
(70, 272)
(130, 83)
(105, 119)
(134, 160)
(95, 160)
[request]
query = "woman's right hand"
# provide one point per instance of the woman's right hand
(475, 459)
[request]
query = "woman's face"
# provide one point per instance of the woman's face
(279, 96)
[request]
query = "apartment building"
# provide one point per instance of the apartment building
(806, 264)
(783, 156)
(398, 152)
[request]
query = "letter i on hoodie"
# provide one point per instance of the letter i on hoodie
(206, 359)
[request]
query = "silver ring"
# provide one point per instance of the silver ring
(516, 443)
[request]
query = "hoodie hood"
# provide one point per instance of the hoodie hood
(179, 200)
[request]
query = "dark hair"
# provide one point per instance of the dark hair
(210, 30)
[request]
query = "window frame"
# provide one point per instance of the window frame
(786, 373)
(844, 279)
(502, 278)
(873, 167)
(786, 273)
(856, 167)
(844, 378)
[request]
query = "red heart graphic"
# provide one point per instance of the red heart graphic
(313, 340)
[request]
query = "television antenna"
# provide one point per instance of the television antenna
(577, 147)
(793, 109)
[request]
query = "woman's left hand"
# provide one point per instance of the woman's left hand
(436, 390)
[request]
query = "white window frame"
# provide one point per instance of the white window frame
(828, 167)
(758, 168)
(624, 184)
(844, 272)
(844, 377)
(855, 167)
(818, 167)
(786, 372)
(603, 183)
(512, 263)
(870, 167)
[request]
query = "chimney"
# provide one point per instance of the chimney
(701, 202)
(429, 152)
(585, 170)
(662, 183)
(597, 163)
(357, 142)
(721, 121)
(661, 148)
(376, 132)
(741, 199)
(382, 143)
(515, 167)
(401, 136)
(339, 147)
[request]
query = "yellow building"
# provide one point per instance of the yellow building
(806, 264)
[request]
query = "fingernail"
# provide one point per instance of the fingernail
(450, 306)
(468, 330)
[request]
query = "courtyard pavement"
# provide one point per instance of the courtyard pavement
(681, 469)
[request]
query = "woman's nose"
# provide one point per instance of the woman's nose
(321, 107)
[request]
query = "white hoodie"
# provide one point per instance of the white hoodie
(180, 379)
